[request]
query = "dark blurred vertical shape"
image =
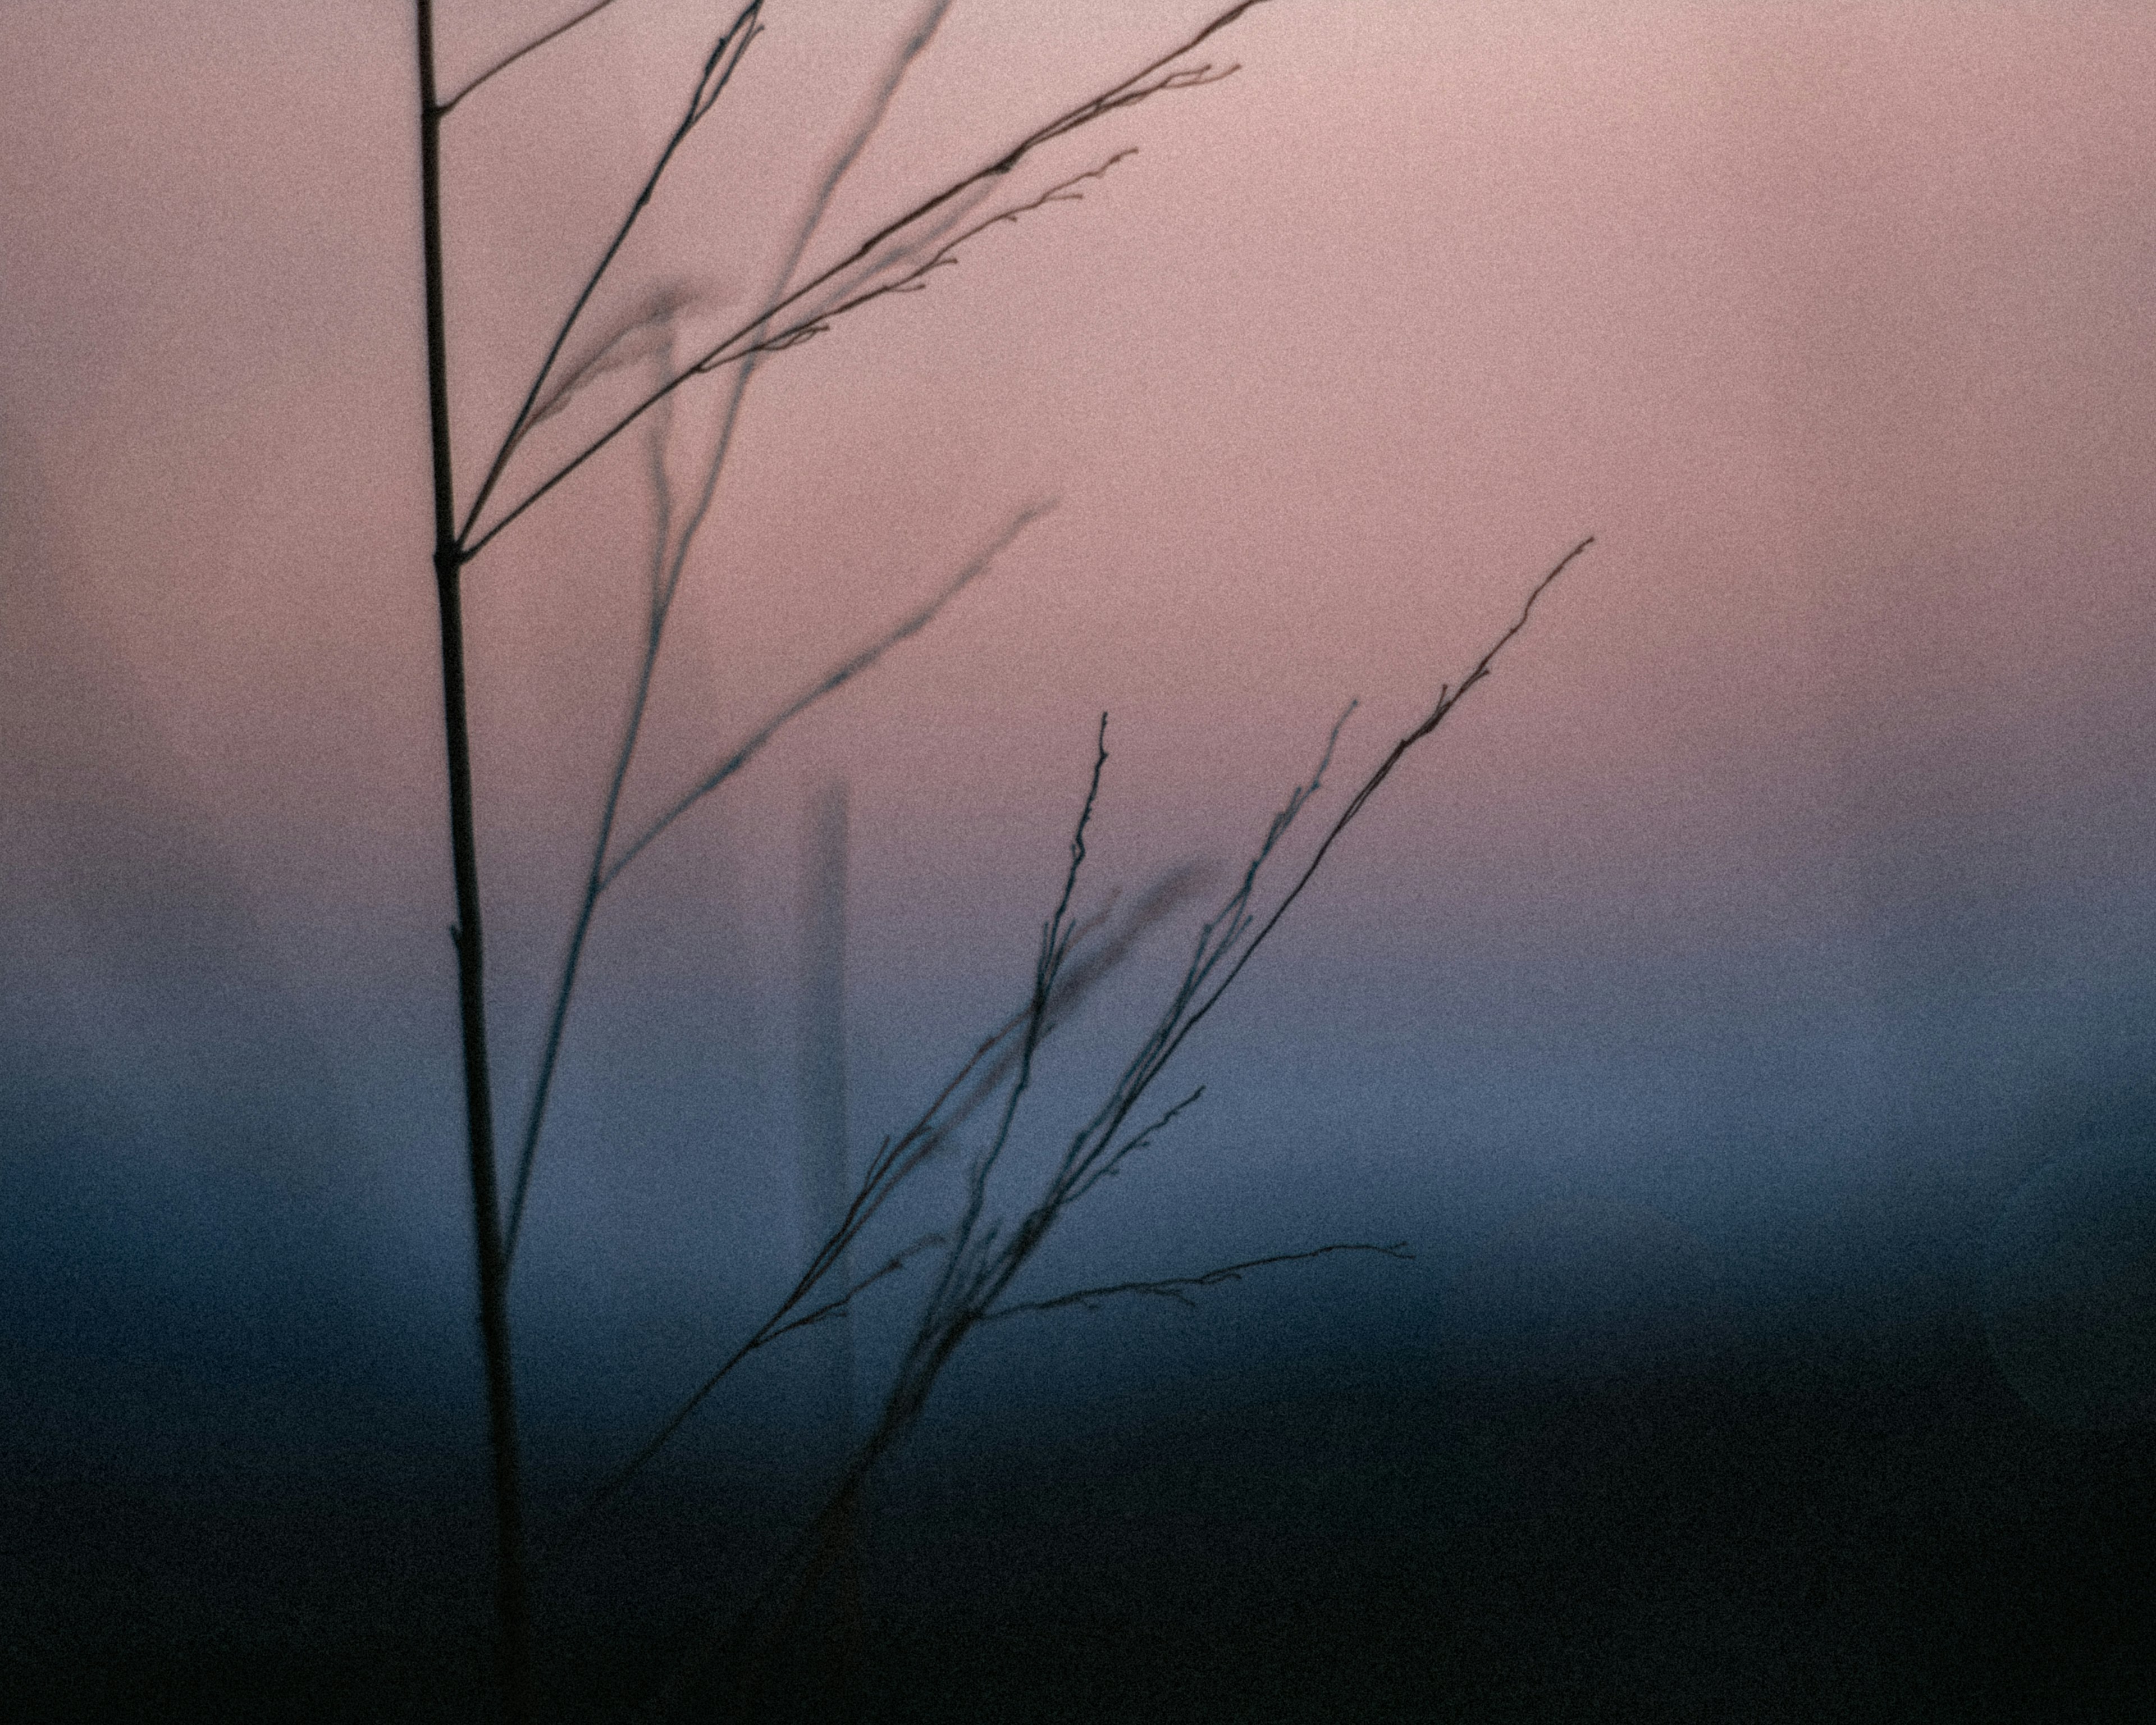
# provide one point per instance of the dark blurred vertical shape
(822, 1069)
(824, 1190)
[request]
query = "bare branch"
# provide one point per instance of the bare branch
(1137, 1141)
(1151, 79)
(832, 1308)
(1175, 1288)
(531, 46)
(670, 550)
(718, 70)
(535, 1113)
(1056, 935)
(981, 1264)
(1090, 1155)
(831, 683)
(983, 1256)
(772, 1328)
(895, 1159)
(843, 159)
(915, 276)
(1447, 699)
(602, 875)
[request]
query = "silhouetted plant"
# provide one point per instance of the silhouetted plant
(982, 1252)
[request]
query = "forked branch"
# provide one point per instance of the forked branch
(771, 328)
(604, 872)
(830, 684)
(983, 1255)
(511, 58)
(913, 277)
(1177, 1287)
(670, 548)
(977, 1079)
(717, 72)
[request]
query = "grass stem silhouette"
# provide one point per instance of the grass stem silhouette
(983, 1251)
(984, 1254)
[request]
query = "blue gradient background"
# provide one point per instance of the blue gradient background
(1742, 1006)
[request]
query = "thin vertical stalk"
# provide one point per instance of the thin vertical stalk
(511, 1604)
(825, 1191)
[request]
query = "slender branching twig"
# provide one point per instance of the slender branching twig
(985, 1249)
(896, 1159)
(829, 684)
(605, 871)
(984, 1254)
(711, 81)
(510, 58)
(1176, 1287)
(784, 322)
(670, 551)
(784, 1320)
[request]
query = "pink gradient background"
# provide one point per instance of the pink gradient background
(1818, 795)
